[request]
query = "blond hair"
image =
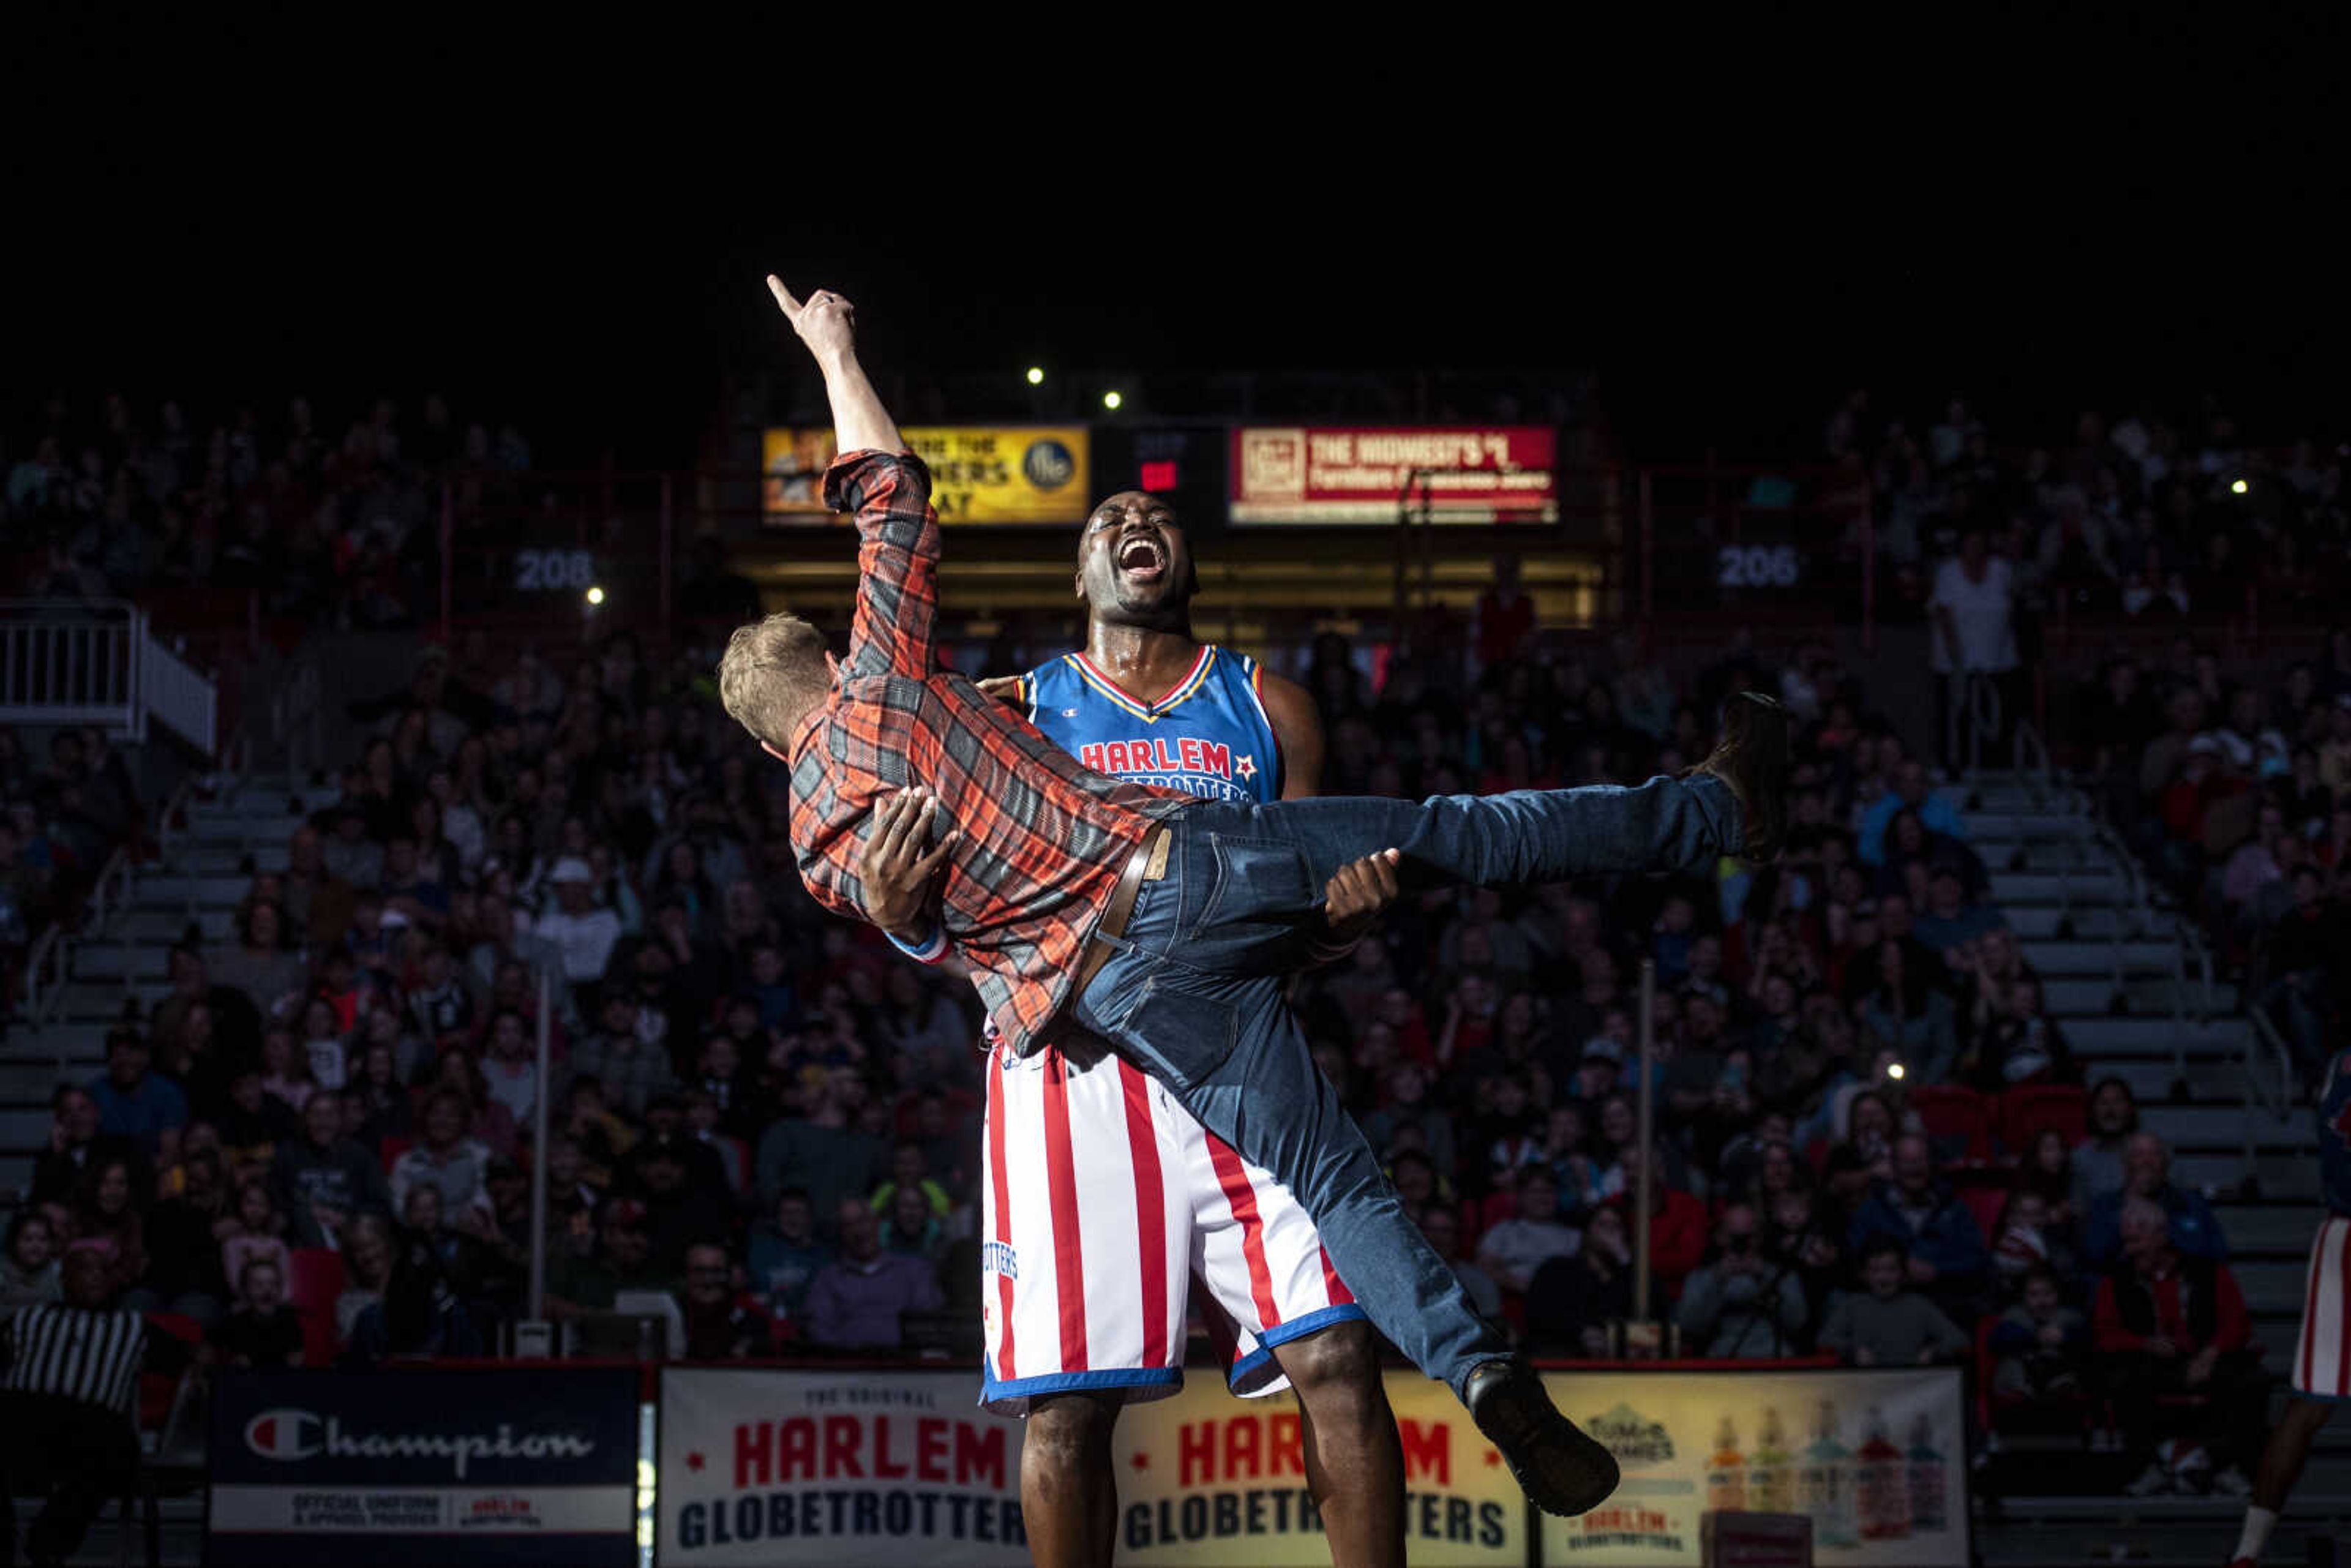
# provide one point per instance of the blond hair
(772, 673)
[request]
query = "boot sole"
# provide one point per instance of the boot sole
(1568, 1479)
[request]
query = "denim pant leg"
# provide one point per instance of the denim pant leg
(1524, 836)
(1230, 1048)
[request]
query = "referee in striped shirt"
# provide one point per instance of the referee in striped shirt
(67, 1400)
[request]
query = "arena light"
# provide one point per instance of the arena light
(595, 594)
(2237, 486)
(1110, 400)
(1036, 375)
(1894, 1070)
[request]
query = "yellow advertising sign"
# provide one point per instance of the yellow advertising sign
(979, 473)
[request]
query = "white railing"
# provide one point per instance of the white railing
(70, 664)
(98, 661)
(176, 694)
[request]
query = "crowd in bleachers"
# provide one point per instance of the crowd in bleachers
(114, 500)
(1873, 1141)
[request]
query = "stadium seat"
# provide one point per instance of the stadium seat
(1957, 1120)
(1985, 1203)
(1496, 1208)
(392, 1148)
(2028, 1108)
(159, 1392)
(314, 1278)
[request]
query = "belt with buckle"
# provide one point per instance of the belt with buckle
(1147, 863)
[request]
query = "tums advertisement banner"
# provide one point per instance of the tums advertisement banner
(1878, 1461)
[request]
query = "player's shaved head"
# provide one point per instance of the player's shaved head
(1135, 563)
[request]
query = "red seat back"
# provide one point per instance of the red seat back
(1985, 1203)
(314, 1278)
(1956, 1120)
(2029, 1109)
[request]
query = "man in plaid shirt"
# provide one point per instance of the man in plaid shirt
(1166, 924)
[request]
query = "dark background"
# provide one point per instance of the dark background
(2140, 216)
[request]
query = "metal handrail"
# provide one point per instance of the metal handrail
(294, 721)
(48, 951)
(2040, 776)
(55, 948)
(1977, 710)
(2264, 1032)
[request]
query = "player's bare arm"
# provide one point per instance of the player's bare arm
(1298, 729)
(827, 324)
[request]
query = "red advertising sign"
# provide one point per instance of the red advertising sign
(1466, 474)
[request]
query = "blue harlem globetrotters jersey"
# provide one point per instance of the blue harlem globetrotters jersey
(2335, 1136)
(1208, 736)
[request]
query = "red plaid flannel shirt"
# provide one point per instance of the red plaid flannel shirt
(1044, 840)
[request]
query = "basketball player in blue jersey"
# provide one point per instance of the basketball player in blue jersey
(1104, 1197)
(2321, 1377)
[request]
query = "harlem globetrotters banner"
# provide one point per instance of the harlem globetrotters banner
(770, 1468)
(779, 1468)
(534, 1465)
(1470, 474)
(1877, 1459)
(1205, 1477)
(762, 1467)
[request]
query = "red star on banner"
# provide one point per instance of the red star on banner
(1142, 1461)
(1493, 1459)
(693, 1461)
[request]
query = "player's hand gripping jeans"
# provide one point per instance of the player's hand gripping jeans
(1194, 994)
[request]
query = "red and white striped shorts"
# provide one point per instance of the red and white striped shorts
(1104, 1198)
(2322, 1361)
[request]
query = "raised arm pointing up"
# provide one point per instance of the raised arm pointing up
(828, 324)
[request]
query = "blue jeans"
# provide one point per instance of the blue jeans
(1195, 993)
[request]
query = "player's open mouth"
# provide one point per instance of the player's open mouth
(1142, 559)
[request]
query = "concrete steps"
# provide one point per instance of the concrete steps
(2221, 1127)
(2148, 996)
(2156, 1532)
(2079, 888)
(2137, 956)
(2269, 1229)
(2038, 922)
(2135, 1036)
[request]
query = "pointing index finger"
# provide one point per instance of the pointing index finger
(791, 307)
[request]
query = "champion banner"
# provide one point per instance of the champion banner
(534, 1466)
(1878, 1460)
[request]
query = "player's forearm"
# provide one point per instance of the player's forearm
(859, 423)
